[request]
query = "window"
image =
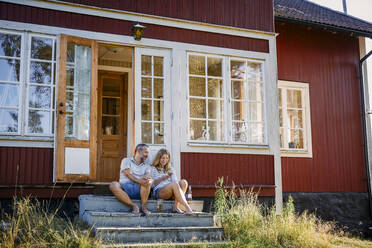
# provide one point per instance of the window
(152, 99)
(27, 82)
(294, 118)
(226, 100)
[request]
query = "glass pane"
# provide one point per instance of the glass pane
(215, 130)
(69, 126)
(294, 99)
(10, 45)
(39, 122)
(111, 87)
(158, 66)
(146, 132)
(197, 128)
(70, 52)
(280, 97)
(197, 108)
(239, 110)
(215, 109)
(69, 101)
(146, 87)
(197, 65)
(158, 110)
(215, 88)
(40, 72)
(146, 110)
(238, 90)
(281, 138)
(257, 133)
(255, 112)
(9, 95)
(110, 125)
(255, 92)
(158, 133)
(295, 119)
(281, 117)
(39, 97)
(111, 106)
(146, 65)
(240, 132)
(296, 139)
(81, 96)
(69, 76)
(158, 88)
(254, 71)
(41, 48)
(8, 120)
(197, 86)
(237, 69)
(9, 70)
(214, 67)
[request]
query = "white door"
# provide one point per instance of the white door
(152, 99)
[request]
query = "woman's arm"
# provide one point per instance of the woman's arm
(158, 180)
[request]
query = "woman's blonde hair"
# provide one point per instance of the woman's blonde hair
(156, 162)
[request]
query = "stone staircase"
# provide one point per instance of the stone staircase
(114, 223)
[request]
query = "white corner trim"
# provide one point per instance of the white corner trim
(145, 18)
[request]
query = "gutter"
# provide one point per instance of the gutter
(326, 26)
(364, 124)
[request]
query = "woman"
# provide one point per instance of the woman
(166, 184)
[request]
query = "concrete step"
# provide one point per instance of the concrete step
(159, 234)
(111, 204)
(120, 219)
(167, 244)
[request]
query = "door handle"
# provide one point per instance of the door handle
(61, 112)
(61, 104)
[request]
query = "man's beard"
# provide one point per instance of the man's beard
(142, 158)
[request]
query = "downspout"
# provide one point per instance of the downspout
(364, 123)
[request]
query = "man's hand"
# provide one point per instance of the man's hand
(146, 180)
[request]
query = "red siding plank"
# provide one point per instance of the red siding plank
(329, 63)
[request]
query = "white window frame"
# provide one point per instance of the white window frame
(167, 89)
(206, 98)
(227, 101)
(52, 86)
(20, 83)
(305, 98)
(23, 108)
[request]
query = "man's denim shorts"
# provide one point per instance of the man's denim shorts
(132, 189)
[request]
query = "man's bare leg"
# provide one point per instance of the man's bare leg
(145, 192)
(120, 194)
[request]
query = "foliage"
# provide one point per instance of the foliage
(32, 225)
(247, 223)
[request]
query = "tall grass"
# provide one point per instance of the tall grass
(247, 223)
(32, 225)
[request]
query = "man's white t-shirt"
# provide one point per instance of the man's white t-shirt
(138, 170)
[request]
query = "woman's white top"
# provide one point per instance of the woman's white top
(156, 174)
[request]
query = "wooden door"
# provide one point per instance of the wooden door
(76, 148)
(112, 124)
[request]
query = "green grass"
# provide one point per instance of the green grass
(247, 223)
(31, 225)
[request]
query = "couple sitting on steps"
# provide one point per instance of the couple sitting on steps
(137, 177)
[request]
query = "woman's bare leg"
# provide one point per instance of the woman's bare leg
(183, 185)
(174, 189)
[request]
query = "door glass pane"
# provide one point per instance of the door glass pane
(146, 132)
(111, 87)
(158, 66)
(110, 125)
(81, 92)
(158, 133)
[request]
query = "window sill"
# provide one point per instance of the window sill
(24, 141)
(296, 154)
(198, 144)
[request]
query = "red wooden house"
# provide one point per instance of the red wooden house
(270, 100)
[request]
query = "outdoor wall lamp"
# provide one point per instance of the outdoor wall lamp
(137, 31)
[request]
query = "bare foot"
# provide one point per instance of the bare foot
(135, 209)
(146, 211)
(177, 210)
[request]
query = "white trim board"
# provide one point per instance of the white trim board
(144, 18)
(129, 40)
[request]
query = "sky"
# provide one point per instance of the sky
(363, 10)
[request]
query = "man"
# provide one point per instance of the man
(135, 180)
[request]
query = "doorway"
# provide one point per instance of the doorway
(112, 124)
